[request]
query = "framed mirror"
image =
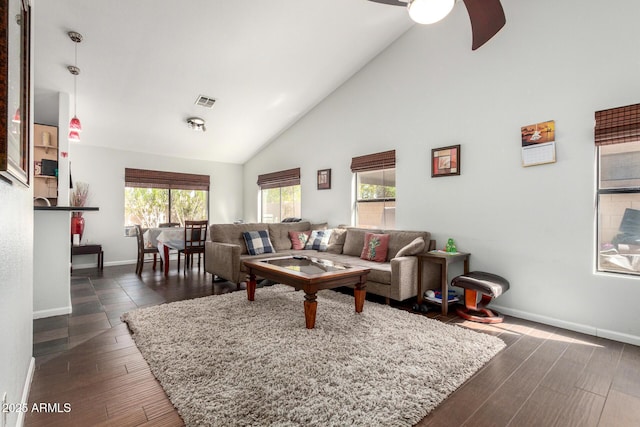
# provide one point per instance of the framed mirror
(15, 28)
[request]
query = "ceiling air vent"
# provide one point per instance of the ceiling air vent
(205, 101)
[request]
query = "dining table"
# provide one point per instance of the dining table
(165, 239)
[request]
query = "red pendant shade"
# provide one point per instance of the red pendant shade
(16, 116)
(74, 136)
(74, 124)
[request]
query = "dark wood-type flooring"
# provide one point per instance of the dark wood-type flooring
(545, 377)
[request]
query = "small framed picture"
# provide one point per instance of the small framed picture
(445, 161)
(324, 179)
(538, 143)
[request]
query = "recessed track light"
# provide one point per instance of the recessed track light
(196, 123)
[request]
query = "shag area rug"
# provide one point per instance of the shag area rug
(226, 361)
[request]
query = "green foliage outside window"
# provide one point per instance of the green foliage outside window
(376, 195)
(376, 184)
(150, 206)
(188, 205)
(145, 206)
(281, 202)
(370, 191)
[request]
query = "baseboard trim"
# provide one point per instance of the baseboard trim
(26, 390)
(125, 262)
(619, 336)
(93, 265)
(52, 312)
(577, 327)
(172, 257)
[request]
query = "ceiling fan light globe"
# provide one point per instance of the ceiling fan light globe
(429, 11)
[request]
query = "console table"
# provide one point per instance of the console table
(443, 259)
(88, 250)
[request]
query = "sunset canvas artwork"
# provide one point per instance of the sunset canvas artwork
(538, 133)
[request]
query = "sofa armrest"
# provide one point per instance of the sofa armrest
(223, 260)
(404, 277)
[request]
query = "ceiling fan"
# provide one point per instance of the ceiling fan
(487, 16)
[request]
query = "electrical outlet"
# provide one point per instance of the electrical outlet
(3, 413)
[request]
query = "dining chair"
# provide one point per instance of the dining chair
(142, 250)
(195, 234)
(168, 224)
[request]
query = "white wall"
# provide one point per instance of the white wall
(103, 169)
(51, 258)
(557, 61)
(16, 289)
(16, 281)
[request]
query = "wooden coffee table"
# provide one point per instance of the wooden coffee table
(311, 275)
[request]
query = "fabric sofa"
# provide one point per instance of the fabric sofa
(395, 278)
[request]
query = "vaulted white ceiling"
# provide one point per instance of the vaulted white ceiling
(144, 62)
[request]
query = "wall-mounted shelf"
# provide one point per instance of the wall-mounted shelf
(66, 208)
(45, 157)
(45, 147)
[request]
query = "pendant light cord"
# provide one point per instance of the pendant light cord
(75, 83)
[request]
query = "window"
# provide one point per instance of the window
(617, 138)
(280, 195)
(375, 189)
(155, 197)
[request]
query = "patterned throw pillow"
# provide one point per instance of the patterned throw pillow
(319, 240)
(299, 239)
(375, 247)
(258, 242)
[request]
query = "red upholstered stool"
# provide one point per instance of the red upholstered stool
(489, 286)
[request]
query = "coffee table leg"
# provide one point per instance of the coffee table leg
(251, 287)
(310, 305)
(359, 293)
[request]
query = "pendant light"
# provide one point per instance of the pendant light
(75, 127)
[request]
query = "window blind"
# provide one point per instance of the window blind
(170, 180)
(376, 161)
(618, 125)
(283, 178)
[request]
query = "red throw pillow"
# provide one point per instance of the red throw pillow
(299, 239)
(375, 247)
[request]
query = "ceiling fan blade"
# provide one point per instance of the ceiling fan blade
(487, 18)
(391, 2)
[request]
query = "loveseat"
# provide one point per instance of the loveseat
(394, 278)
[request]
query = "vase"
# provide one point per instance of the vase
(77, 225)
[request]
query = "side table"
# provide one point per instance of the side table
(88, 250)
(443, 259)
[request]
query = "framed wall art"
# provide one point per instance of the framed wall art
(324, 179)
(538, 143)
(445, 161)
(15, 27)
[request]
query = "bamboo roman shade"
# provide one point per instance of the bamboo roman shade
(618, 125)
(284, 178)
(371, 162)
(171, 180)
